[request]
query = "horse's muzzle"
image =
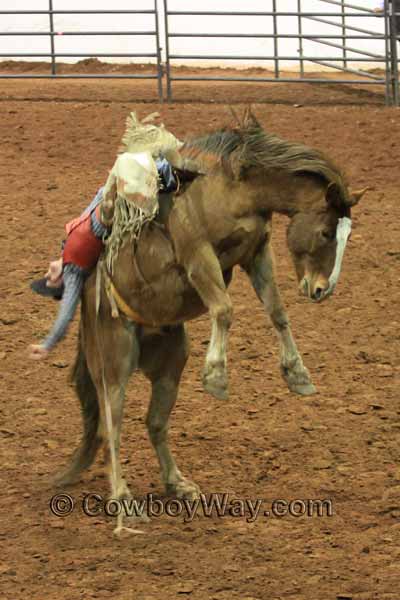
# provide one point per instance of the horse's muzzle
(316, 293)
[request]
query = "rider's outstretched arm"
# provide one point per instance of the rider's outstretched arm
(74, 278)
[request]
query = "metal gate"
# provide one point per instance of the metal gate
(345, 43)
(53, 55)
(343, 40)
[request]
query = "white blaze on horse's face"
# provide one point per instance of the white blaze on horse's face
(343, 232)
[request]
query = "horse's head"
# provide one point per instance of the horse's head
(317, 240)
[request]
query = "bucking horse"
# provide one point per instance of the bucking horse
(180, 266)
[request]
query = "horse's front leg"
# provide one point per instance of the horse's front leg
(204, 273)
(262, 276)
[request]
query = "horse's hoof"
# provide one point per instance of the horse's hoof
(303, 389)
(215, 382)
(144, 518)
(63, 480)
(184, 489)
(298, 380)
(215, 389)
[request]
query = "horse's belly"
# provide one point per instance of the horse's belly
(172, 300)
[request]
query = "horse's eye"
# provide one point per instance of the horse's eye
(328, 235)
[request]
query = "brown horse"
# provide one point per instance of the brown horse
(181, 267)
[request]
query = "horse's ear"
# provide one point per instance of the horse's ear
(333, 195)
(249, 120)
(355, 197)
(235, 116)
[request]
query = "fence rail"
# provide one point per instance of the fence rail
(52, 34)
(344, 44)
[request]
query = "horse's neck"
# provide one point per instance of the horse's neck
(288, 194)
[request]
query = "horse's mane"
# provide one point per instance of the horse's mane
(251, 146)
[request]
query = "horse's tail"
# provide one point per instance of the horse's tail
(85, 454)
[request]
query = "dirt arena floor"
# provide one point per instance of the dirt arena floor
(58, 140)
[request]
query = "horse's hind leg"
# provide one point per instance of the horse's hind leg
(116, 355)
(162, 359)
(261, 273)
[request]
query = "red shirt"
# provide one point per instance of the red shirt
(82, 247)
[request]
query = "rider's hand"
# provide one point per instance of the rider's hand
(37, 352)
(54, 273)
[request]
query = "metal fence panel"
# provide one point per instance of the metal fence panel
(346, 44)
(345, 39)
(53, 55)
